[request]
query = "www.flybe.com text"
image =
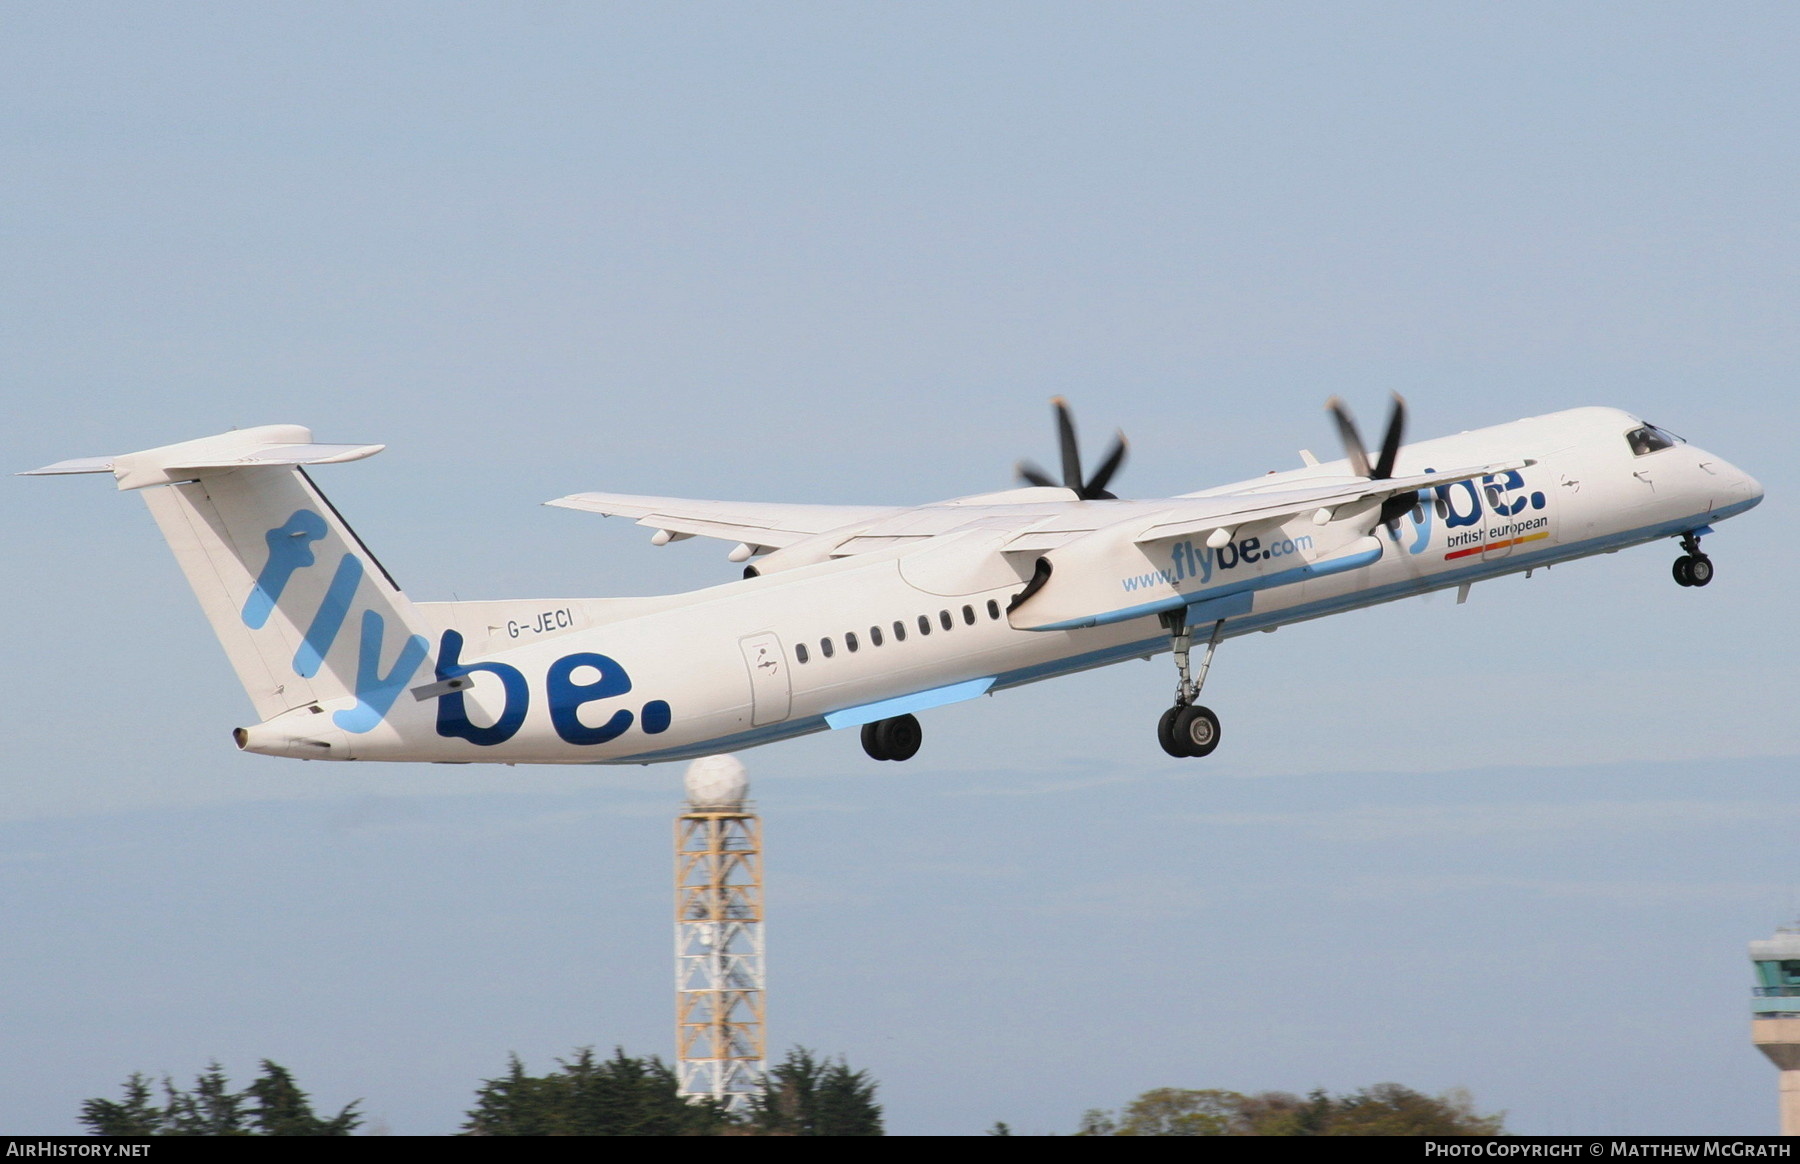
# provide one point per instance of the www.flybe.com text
(1190, 561)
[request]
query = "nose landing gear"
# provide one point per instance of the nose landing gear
(1188, 730)
(1693, 568)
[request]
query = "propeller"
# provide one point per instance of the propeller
(1088, 489)
(1383, 469)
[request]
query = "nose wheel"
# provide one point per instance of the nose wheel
(1692, 568)
(1187, 730)
(893, 739)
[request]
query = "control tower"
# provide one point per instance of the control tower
(719, 975)
(1775, 1016)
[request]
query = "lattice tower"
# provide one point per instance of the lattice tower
(720, 980)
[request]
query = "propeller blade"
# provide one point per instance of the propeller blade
(1395, 508)
(1353, 445)
(1071, 456)
(1095, 489)
(1390, 444)
(1089, 489)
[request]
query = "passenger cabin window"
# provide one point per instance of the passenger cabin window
(899, 632)
(1650, 439)
(924, 625)
(875, 635)
(800, 652)
(993, 610)
(945, 619)
(969, 615)
(850, 641)
(825, 647)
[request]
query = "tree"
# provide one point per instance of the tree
(135, 1115)
(282, 1109)
(808, 1096)
(1096, 1122)
(620, 1096)
(1170, 1111)
(1386, 1109)
(515, 1104)
(212, 1108)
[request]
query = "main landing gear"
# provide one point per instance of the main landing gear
(1187, 729)
(1692, 568)
(893, 739)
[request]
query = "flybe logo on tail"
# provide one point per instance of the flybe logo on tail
(291, 550)
(571, 682)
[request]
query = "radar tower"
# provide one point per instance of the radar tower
(719, 974)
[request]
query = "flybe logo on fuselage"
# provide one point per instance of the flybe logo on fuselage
(1495, 513)
(567, 685)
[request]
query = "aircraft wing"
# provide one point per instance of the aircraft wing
(1077, 582)
(774, 525)
(1199, 514)
(768, 524)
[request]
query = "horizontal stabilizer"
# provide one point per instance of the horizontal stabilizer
(78, 465)
(308, 454)
(269, 445)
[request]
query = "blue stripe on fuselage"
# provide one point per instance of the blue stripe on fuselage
(1247, 624)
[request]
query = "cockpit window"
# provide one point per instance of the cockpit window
(1649, 439)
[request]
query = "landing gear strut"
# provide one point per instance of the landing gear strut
(893, 739)
(1187, 729)
(1693, 568)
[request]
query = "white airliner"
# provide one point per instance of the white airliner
(861, 617)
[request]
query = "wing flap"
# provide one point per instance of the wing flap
(770, 524)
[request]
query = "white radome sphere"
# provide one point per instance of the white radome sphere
(717, 782)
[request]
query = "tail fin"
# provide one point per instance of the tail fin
(304, 611)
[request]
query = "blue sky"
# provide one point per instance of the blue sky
(847, 253)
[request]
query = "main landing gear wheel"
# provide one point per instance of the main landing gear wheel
(1165, 733)
(1695, 570)
(1188, 732)
(893, 739)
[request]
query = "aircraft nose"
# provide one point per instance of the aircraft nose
(1741, 489)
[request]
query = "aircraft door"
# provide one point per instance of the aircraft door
(770, 695)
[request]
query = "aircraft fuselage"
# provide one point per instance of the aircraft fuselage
(846, 640)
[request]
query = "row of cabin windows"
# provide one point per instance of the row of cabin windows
(876, 637)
